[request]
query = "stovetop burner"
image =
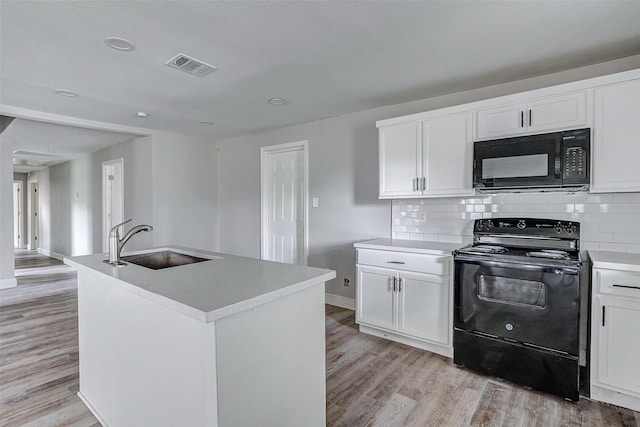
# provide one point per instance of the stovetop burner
(525, 241)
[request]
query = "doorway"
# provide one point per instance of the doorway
(33, 223)
(18, 215)
(284, 192)
(112, 197)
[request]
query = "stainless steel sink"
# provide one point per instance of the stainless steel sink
(162, 259)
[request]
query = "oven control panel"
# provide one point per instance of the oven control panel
(528, 227)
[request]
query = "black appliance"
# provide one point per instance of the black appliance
(517, 303)
(559, 160)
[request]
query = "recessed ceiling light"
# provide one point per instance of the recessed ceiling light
(207, 123)
(142, 114)
(118, 43)
(277, 101)
(65, 92)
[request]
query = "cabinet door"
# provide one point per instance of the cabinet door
(447, 155)
(506, 120)
(559, 112)
(616, 138)
(617, 343)
(423, 301)
(375, 297)
(556, 113)
(399, 151)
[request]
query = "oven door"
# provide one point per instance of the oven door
(534, 305)
(530, 161)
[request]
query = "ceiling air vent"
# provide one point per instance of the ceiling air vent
(190, 65)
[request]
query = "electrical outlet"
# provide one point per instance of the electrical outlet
(423, 217)
(346, 282)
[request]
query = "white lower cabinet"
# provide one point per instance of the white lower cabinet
(411, 307)
(615, 340)
(422, 306)
(377, 304)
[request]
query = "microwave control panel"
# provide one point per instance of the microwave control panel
(575, 159)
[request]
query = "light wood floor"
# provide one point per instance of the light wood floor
(39, 346)
(370, 381)
(375, 382)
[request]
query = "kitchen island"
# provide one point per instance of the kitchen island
(228, 341)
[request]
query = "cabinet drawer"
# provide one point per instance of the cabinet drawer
(421, 263)
(615, 282)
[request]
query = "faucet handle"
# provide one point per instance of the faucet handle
(114, 230)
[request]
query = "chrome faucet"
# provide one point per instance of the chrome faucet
(116, 244)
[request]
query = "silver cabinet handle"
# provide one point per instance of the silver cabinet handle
(394, 284)
(395, 262)
(400, 284)
(424, 183)
(615, 285)
(415, 184)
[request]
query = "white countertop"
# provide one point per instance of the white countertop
(615, 260)
(418, 246)
(209, 290)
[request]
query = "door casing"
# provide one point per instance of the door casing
(108, 193)
(265, 153)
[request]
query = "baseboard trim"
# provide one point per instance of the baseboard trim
(51, 254)
(614, 397)
(8, 283)
(340, 301)
(92, 410)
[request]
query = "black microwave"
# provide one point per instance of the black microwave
(558, 160)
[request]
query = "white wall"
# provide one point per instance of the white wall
(70, 197)
(7, 278)
(343, 162)
(170, 182)
(342, 173)
(185, 191)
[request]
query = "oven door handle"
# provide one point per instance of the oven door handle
(524, 266)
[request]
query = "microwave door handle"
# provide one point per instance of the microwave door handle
(558, 160)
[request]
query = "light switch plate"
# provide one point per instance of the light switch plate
(314, 202)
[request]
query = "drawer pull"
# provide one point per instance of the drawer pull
(626, 286)
(395, 262)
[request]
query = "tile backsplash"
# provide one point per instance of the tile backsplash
(608, 221)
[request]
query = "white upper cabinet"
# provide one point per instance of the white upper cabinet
(430, 154)
(616, 138)
(399, 151)
(447, 155)
(535, 116)
(425, 158)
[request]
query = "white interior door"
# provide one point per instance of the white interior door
(284, 203)
(34, 219)
(112, 197)
(18, 227)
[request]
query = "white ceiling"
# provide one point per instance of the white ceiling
(51, 144)
(326, 58)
